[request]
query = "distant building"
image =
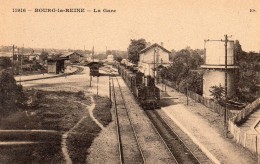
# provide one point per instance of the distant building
(31, 57)
(73, 57)
(87, 57)
(214, 68)
(56, 66)
(109, 59)
(153, 56)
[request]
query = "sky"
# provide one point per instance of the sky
(176, 23)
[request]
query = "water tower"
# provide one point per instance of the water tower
(214, 68)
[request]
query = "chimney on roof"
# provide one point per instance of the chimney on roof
(162, 44)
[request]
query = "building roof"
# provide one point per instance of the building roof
(94, 64)
(54, 60)
(154, 45)
(70, 53)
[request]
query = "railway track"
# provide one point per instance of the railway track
(172, 142)
(175, 144)
(128, 143)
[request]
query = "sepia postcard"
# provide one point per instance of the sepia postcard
(130, 81)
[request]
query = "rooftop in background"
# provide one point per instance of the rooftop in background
(70, 53)
(154, 45)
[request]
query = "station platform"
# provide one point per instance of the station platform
(205, 128)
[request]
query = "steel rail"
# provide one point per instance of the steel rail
(117, 127)
(131, 123)
(177, 136)
(155, 129)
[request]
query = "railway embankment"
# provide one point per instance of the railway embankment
(205, 128)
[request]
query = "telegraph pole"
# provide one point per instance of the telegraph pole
(97, 84)
(110, 83)
(20, 70)
(93, 61)
(187, 90)
(225, 114)
(226, 110)
(93, 53)
(154, 63)
(13, 61)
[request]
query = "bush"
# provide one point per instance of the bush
(11, 94)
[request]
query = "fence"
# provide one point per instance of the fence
(245, 112)
(249, 139)
(198, 98)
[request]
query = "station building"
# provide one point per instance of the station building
(151, 58)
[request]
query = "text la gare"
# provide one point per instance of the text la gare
(104, 10)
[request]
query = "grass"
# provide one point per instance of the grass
(81, 139)
(51, 110)
(56, 110)
(102, 111)
(83, 135)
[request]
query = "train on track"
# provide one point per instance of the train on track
(142, 87)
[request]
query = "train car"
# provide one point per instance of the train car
(143, 88)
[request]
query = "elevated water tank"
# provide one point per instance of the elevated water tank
(215, 53)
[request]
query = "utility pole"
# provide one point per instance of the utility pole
(226, 70)
(90, 80)
(20, 70)
(154, 63)
(226, 114)
(187, 90)
(90, 69)
(226, 110)
(93, 53)
(110, 83)
(97, 84)
(13, 60)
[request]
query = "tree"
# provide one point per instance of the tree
(238, 53)
(172, 54)
(44, 56)
(11, 94)
(118, 58)
(134, 48)
(217, 92)
(5, 62)
(181, 71)
(109, 52)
